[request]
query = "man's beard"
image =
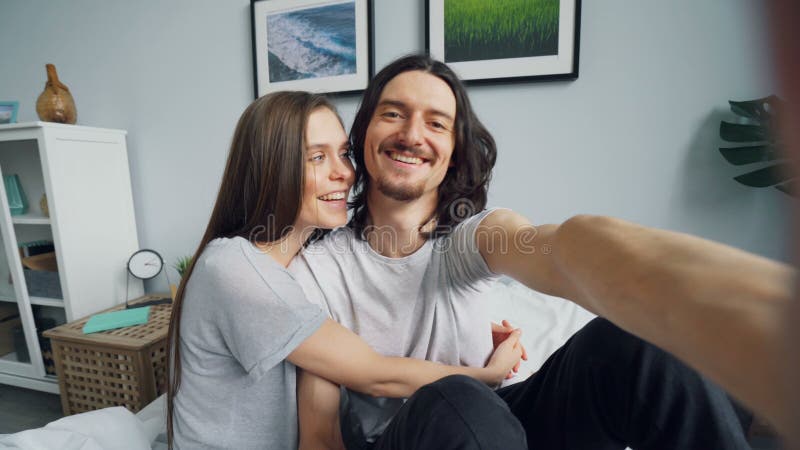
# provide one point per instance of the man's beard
(400, 191)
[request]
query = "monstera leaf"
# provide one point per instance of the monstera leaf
(757, 134)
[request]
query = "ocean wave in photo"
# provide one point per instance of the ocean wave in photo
(312, 43)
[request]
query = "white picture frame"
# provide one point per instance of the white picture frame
(475, 63)
(322, 46)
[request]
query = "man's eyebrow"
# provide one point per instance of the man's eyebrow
(395, 103)
(401, 105)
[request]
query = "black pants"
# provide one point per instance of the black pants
(604, 389)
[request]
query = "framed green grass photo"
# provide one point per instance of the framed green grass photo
(499, 40)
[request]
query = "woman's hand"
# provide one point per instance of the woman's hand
(506, 357)
(499, 334)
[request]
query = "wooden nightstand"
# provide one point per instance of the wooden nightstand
(123, 367)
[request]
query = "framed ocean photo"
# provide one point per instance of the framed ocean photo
(311, 45)
(505, 40)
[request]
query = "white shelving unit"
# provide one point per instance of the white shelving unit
(30, 219)
(84, 172)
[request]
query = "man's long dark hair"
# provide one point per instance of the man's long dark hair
(463, 190)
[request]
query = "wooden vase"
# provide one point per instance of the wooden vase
(55, 104)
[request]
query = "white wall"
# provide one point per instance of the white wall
(635, 136)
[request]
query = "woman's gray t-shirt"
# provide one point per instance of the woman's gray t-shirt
(243, 314)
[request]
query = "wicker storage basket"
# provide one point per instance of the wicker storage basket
(122, 367)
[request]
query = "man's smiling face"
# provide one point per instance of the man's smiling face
(410, 137)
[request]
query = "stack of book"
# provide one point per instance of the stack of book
(33, 248)
(41, 268)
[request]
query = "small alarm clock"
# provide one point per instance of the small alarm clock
(145, 264)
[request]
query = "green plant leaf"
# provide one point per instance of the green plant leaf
(767, 176)
(758, 132)
(749, 154)
(182, 264)
(759, 109)
(737, 132)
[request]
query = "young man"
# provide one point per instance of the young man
(409, 272)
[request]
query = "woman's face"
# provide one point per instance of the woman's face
(329, 173)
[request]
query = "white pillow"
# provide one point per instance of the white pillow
(112, 428)
(154, 419)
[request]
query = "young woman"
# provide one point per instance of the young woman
(241, 323)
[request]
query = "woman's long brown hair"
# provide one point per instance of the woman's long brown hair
(260, 194)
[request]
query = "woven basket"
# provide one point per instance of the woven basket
(122, 367)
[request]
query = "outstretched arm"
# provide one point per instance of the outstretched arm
(512, 246)
(709, 304)
(705, 302)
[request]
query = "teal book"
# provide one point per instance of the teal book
(116, 319)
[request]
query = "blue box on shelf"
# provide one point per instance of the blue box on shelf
(17, 202)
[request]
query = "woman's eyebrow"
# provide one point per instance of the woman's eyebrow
(323, 146)
(311, 147)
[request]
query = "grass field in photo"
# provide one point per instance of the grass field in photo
(495, 29)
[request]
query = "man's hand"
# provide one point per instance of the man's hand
(501, 332)
(505, 357)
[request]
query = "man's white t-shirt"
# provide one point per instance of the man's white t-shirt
(430, 305)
